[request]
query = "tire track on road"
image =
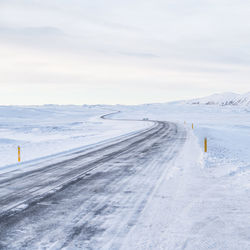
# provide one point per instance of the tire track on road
(116, 187)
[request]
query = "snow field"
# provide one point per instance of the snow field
(43, 131)
(203, 202)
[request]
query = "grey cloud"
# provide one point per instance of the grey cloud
(209, 37)
(31, 31)
(141, 55)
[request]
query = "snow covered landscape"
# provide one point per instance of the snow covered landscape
(229, 99)
(195, 200)
(124, 125)
(42, 131)
(208, 193)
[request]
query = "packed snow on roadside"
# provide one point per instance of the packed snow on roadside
(42, 131)
(204, 198)
(201, 201)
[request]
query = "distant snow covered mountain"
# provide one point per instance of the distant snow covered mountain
(223, 99)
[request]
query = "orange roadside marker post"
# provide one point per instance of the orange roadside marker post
(19, 154)
(205, 145)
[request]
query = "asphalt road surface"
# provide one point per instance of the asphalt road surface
(89, 200)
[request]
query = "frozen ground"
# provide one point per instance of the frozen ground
(42, 131)
(203, 203)
(153, 191)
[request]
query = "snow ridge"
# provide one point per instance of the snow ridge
(223, 99)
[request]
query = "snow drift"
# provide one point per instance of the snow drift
(223, 99)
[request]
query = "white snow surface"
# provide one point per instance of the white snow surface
(43, 131)
(226, 98)
(202, 199)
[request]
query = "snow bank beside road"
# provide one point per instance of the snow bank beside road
(200, 206)
(200, 201)
(227, 129)
(165, 222)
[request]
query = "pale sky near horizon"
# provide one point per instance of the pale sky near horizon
(127, 52)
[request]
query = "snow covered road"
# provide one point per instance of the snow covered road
(90, 200)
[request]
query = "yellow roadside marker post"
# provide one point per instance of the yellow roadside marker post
(205, 145)
(192, 126)
(19, 154)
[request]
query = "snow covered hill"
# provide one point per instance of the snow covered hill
(223, 99)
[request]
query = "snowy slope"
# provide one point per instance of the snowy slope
(41, 131)
(226, 98)
(242, 99)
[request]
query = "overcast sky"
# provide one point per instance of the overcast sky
(128, 52)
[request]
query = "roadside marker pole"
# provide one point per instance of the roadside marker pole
(205, 145)
(19, 154)
(192, 126)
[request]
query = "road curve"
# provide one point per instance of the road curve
(89, 200)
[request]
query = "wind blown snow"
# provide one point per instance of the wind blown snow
(42, 131)
(201, 200)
